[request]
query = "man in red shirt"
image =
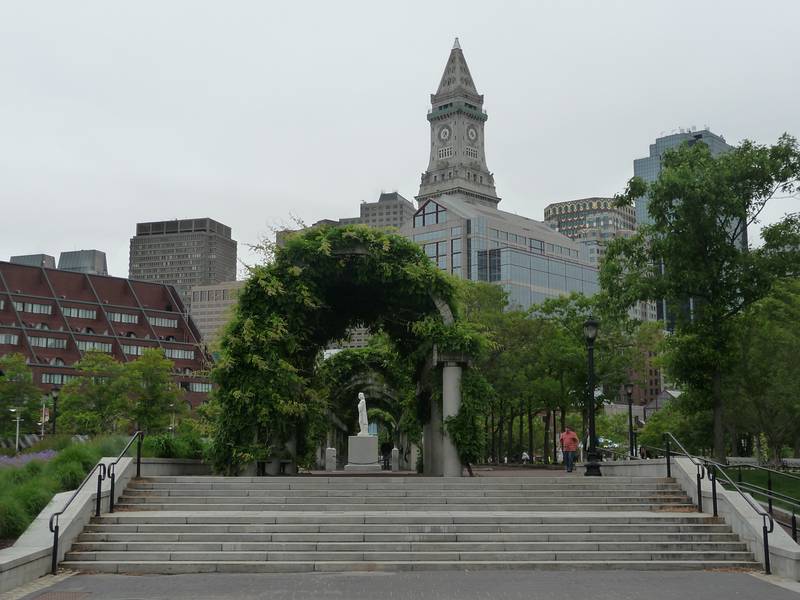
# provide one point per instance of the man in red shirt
(569, 445)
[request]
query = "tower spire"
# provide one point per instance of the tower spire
(457, 163)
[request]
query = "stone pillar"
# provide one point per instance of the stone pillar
(451, 403)
(330, 459)
(395, 459)
(432, 442)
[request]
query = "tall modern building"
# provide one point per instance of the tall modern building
(35, 260)
(592, 222)
(212, 307)
(183, 253)
(457, 221)
(649, 167)
(54, 317)
(391, 210)
(92, 262)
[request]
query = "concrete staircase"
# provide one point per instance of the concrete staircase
(295, 524)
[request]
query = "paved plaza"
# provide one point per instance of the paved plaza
(450, 585)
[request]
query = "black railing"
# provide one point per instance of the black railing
(138, 437)
(103, 471)
(769, 494)
(706, 465)
(101, 474)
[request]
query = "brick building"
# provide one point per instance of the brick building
(53, 317)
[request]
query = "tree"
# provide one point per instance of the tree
(769, 342)
(694, 253)
(18, 391)
(95, 401)
(153, 395)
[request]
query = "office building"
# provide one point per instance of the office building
(54, 317)
(183, 253)
(212, 307)
(649, 167)
(91, 262)
(35, 260)
(458, 222)
(591, 221)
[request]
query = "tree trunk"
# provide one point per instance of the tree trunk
(521, 421)
(510, 452)
(796, 448)
(492, 448)
(546, 445)
(530, 431)
(719, 430)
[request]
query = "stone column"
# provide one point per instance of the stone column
(432, 449)
(451, 403)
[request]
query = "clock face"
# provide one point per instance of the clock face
(472, 133)
(444, 133)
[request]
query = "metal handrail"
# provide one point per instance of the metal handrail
(101, 469)
(139, 436)
(768, 523)
(103, 472)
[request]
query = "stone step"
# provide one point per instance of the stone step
(337, 495)
(500, 484)
(134, 537)
(371, 481)
(315, 556)
(538, 500)
(387, 546)
(388, 518)
(572, 507)
(304, 566)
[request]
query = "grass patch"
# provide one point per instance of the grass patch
(781, 484)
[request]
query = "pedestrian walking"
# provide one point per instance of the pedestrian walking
(569, 445)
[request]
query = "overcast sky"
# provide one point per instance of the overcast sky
(251, 112)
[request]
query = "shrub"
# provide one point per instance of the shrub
(69, 475)
(34, 495)
(86, 456)
(13, 518)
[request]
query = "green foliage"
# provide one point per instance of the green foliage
(613, 427)
(17, 390)
(690, 425)
(467, 427)
(153, 395)
(324, 281)
(165, 445)
(701, 206)
(96, 400)
(25, 491)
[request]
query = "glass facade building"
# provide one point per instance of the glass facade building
(528, 259)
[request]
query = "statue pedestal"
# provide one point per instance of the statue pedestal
(362, 453)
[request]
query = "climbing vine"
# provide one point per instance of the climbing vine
(324, 281)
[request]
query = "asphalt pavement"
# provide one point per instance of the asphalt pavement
(448, 585)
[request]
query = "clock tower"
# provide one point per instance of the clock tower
(457, 162)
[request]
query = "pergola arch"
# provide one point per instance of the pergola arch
(321, 283)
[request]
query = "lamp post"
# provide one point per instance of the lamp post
(54, 394)
(590, 328)
(629, 393)
(17, 418)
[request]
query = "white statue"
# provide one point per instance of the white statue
(363, 422)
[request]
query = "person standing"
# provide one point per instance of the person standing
(569, 445)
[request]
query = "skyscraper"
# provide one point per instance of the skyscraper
(183, 253)
(649, 167)
(92, 262)
(35, 260)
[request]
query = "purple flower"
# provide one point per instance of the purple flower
(21, 460)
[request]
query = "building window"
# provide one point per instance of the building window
(445, 152)
(89, 346)
(430, 214)
(163, 322)
(179, 354)
(9, 339)
(123, 317)
(202, 388)
(31, 307)
(47, 342)
(133, 350)
(437, 252)
(79, 313)
(57, 378)
(471, 152)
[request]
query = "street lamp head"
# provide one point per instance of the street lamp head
(12, 410)
(629, 389)
(590, 328)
